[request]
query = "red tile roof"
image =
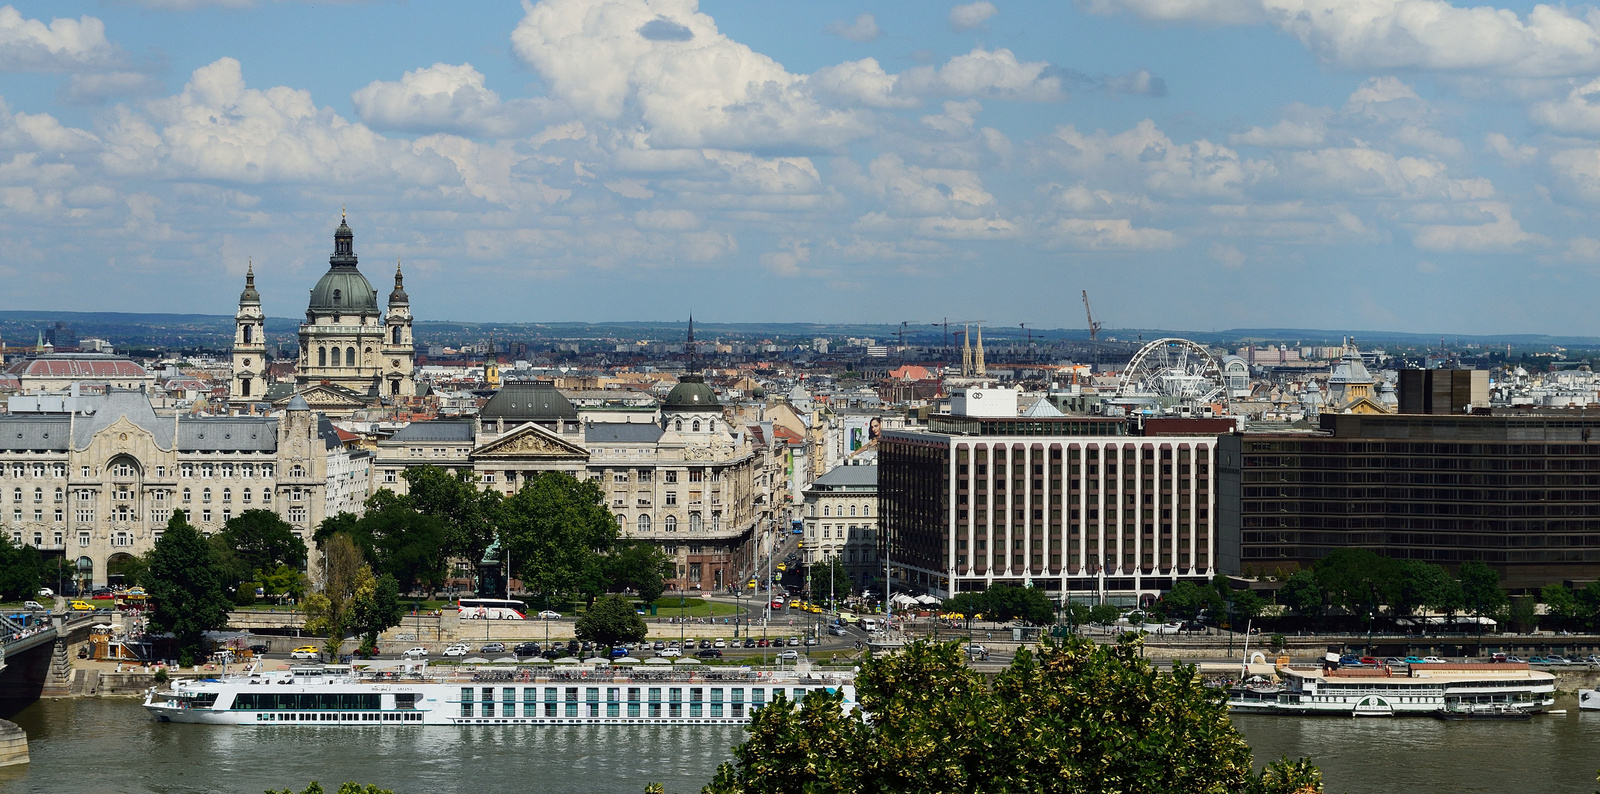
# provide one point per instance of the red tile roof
(77, 368)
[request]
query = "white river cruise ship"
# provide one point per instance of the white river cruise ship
(1433, 689)
(412, 694)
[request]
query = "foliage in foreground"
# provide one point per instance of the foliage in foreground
(349, 787)
(1074, 718)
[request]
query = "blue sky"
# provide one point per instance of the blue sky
(1343, 164)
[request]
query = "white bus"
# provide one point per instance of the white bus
(491, 609)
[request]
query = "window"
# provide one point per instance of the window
(852, 509)
(16, 495)
(389, 476)
(266, 470)
(297, 515)
(247, 470)
(185, 470)
(227, 496)
(716, 521)
(60, 515)
(244, 495)
(297, 470)
(697, 475)
(672, 476)
(646, 475)
(619, 476)
(38, 496)
(188, 496)
(122, 470)
(672, 498)
(396, 337)
(866, 510)
(694, 522)
(696, 426)
(207, 470)
(322, 357)
(83, 539)
(349, 356)
(227, 470)
(266, 496)
(670, 524)
(644, 522)
(82, 470)
(205, 516)
(205, 496)
(826, 510)
(677, 425)
(86, 496)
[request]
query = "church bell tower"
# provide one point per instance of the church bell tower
(249, 384)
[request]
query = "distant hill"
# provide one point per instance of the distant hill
(129, 330)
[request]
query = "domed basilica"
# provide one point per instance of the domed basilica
(352, 355)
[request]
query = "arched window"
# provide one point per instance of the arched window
(38, 496)
(322, 357)
(695, 524)
(866, 510)
(852, 509)
(711, 424)
(827, 511)
(188, 496)
(247, 332)
(349, 356)
(670, 524)
(397, 334)
(244, 494)
(16, 495)
(336, 357)
(696, 427)
(813, 511)
(60, 496)
(644, 523)
(677, 425)
(227, 496)
(622, 524)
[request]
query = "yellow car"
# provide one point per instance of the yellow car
(81, 606)
(782, 567)
(813, 608)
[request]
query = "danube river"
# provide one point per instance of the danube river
(109, 746)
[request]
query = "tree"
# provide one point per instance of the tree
(1425, 586)
(611, 620)
(1301, 594)
(1247, 605)
(1104, 614)
(374, 606)
(1186, 599)
(1028, 604)
(1073, 717)
(830, 579)
(186, 586)
(470, 513)
(263, 541)
(1480, 588)
(405, 544)
(1357, 579)
(20, 568)
(325, 610)
(967, 605)
(1561, 603)
(557, 528)
(640, 566)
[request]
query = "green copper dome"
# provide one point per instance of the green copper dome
(343, 290)
(691, 394)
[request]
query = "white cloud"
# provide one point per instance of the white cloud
(909, 190)
(1406, 34)
(984, 73)
(1381, 89)
(92, 89)
(1286, 134)
(1508, 151)
(1111, 234)
(1503, 233)
(62, 45)
(1144, 156)
(1578, 112)
(1229, 255)
(863, 28)
(667, 220)
(1364, 171)
(789, 261)
(970, 15)
(1138, 81)
(442, 97)
(667, 69)
(862, 82)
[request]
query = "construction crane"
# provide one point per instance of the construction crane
(1094, 327)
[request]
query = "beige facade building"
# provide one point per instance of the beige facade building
(841, 522)
(97, 483)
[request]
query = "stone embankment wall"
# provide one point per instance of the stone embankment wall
(13, 744)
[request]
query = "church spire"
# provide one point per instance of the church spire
(250, 295)
(977, 358)
(689, 347)
(399, 296)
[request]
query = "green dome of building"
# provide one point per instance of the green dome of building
(691, 394)
(343, 290)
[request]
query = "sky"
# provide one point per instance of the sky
(1406, 165)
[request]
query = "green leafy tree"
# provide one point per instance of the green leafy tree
(1077, 614)
(1562, 604)
(557, 529)
(263, 541)
(1104, 614)
(1357, 579)
(186, 586)
(1424, 586)
(1481, 592)
(471, 513)
(20, 568)
(968, 605)
(1027, 604)
(639, 566)
(326, 610)
(1186, 599)
(1074, 717)
(342, 523)
(1302, 594)
(829, 577)
(1247, 605)
(611, 620)
(405, 544)
(374, 606)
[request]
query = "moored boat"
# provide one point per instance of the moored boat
(1422, 690)
(412, 694)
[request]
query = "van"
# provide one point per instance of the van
(869, 625)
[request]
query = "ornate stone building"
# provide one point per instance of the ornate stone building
(352, 354)
(96, 483)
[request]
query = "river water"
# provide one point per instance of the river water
(110, 746)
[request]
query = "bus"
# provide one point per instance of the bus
(491, 609)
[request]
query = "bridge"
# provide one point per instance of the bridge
(32, 656)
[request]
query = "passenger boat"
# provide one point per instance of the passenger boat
(1484, 711)
(1588, 700)
(412, 694)
(1422, 690)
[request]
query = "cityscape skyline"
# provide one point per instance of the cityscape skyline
(563, 160)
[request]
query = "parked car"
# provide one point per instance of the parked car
(794, 641)
(1410, 660)
(45, 592)
(810, 641)
(259, 649)
(493, 647)
(527, 649)
(619, 651)
(1516, 659)
(708, 653)
(660, 646)
(763, 642)
(1369, 661)
(310, 652)
(837, 631)
(418, 652)
(1557, 659)
(669, 653)
(549, 614)
(33, 606)
(719, 643)
(789, 656)
(554, 652)
(749, 642)
(1392, 660)
(1349, 660)
(1432, 660)
(705, 643)
(1537, 660)
(458, 649)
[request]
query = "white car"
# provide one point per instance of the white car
(33, 606)
(669, 652)
(458, 649)
(418, 652)
(549, 614)
(719, 644)
(789, 656)
(45, 592)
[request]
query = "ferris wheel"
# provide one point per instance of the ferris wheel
(1172, 376)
